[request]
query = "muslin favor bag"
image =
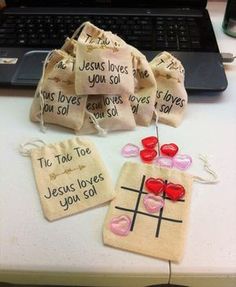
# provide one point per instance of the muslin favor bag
(111, 112)
(171, 96)
(55, 99)
(143, 99)
(151, 223)
(70, 176)
(103, 63)
(130, 226)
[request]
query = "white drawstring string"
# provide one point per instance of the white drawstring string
(25, 148)
(101, 131)
(78, 30)
(209, 170)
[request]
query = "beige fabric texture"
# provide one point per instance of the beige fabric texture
(112, 112)
(143, 99)
(70, 177)
(60, 104)
(103, 63)
(169, 244)
(171, 96)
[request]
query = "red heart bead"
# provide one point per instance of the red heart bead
(148, 154)
(150, 142)
(169, 149)
(155, 185)
(174, 191)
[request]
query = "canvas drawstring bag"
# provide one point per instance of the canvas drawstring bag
(55, 99)
(103, 63)
(143, 99)
(171, 96)
(132, 225)
(70, 176)
(111, 112)
(103, 112)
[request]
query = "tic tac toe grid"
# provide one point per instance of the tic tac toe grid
(136, 212)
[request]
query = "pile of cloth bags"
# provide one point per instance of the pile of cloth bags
(98, 83)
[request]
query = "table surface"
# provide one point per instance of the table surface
(71, 250)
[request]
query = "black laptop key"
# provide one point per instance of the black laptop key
(8, 25)
(34, 42)
(171, 39)
(184, 46)
(183, 39)
(195, 43)
(160, 32)
(172, 45)
(7, 30)
(161, 45)
(160, 38)
(7, 36)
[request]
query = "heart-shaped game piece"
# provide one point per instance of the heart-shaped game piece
(155, 185)
(120, 225)
(164, 161)
(130, 150)
(153, 203)
(150, 142)
(170, 149)
(174, 191)
(182, 161)
(148, 154)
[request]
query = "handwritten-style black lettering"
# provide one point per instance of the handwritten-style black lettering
(82, 151)
(63, 158)
(96, 79)
(67, 201)
(90, 192)
(92, 66)
(44, 162)
(61, 190)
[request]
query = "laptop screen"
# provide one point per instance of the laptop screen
(110, 3)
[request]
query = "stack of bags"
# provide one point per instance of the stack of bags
(97, 83)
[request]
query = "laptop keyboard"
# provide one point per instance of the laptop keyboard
(145, 33)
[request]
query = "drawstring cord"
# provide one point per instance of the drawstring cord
(101, 131)
(209, 170)
(203, 158)
(78, 30)
(25, 148)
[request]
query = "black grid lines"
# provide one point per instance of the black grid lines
(136, 210)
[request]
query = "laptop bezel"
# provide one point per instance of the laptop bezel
(110, 3)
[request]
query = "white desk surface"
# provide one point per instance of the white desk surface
(71, 251)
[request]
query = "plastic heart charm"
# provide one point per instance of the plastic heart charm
(150, 142)
(164, 161)
(182, 161)
(153, 203)
(148, 154)
(155, 185)
(130, 150)
(174, 191)
(169, 149)
(120, 225)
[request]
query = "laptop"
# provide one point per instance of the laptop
(30, 29)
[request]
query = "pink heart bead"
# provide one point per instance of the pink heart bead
(130, 150)
(120, 225)
(164, 161)
(182, 161)
(153, 203)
